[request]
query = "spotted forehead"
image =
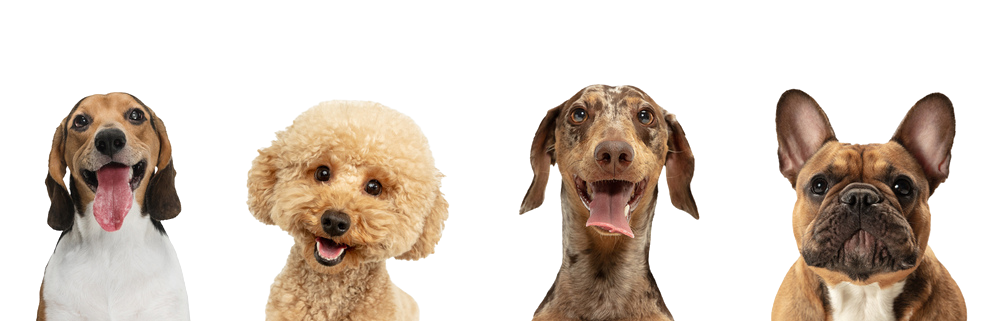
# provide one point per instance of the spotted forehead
(600, 95)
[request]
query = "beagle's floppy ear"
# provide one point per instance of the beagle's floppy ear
(260, 185)
(61, 210)
(680, 167)
(433, 225)
(161, 201)
(802, 129)
(928, 132)
(542, 157)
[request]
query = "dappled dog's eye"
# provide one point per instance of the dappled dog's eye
(373, 187)
(322, 173)
(81, 121)
(578, 115)
(645, 117)
(135, 115)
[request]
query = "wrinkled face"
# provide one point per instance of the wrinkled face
(862, 213)
(352, 185)
(109, 144)
(611, 144)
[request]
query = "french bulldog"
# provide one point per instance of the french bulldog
(861, 221)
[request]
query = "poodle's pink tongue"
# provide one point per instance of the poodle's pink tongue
(608, 209)
(114, 196)
(328, 249)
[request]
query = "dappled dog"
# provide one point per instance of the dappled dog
(611, 144)
(354, 184)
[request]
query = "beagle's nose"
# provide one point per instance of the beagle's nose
(335, 223)
(613, 155)
(110, 141)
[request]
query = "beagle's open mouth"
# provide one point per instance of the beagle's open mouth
(328, 252)
(611, 203)
(113, 186)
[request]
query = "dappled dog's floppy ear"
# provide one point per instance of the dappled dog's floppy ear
(61, 210)
(680, 167)
(260, 185)
(802, 129)
(542, 157)
(161, 201)
(433, 226)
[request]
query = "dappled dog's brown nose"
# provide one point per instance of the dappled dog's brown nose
(859, 197)
(613, 155)
(335, 223)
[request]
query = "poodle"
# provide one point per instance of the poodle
(354, 184)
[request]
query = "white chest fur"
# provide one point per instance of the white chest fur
(129, 274)
(863, 302)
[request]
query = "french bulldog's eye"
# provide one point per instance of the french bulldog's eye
(373, 187)
(902, 187)
(819, 186)
(645, 117)
(322, 173)
(578, 115)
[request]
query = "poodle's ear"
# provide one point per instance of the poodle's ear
(433, 225)
(260, 185)
(542, 157)
(61, 210)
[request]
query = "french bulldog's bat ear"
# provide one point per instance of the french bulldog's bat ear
(542, 157)
(260, 185)
(61, 210)
(161, 200)
(928, 132)
(802, 129)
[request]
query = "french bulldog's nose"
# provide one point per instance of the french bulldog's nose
(613, 155)
(110, 141)
(335, 223)
(860, 195)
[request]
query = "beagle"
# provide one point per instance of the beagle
(113, 260)
(611, 144)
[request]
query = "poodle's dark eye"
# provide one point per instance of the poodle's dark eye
(322, 173)
(373, 187)
(135, 115)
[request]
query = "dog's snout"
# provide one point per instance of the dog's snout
(860, 196)
(613, 155)
(335, 223)
(110, 141)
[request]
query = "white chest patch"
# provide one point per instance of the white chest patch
(863, 302)
(129, 274)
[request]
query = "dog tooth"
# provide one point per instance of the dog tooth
(627, 207)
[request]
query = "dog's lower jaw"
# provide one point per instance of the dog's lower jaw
(596, 268)
(331, 296)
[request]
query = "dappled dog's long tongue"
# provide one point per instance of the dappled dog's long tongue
(607, 209)
(114, 196)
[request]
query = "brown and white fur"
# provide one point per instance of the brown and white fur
(611, 143)
(112, 267)
(354, 184)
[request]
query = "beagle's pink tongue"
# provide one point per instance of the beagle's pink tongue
(114, 196)
(607, 208)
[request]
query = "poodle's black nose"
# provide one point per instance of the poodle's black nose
(335, 223)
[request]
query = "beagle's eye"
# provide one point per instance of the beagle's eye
(81, 121)
(645, 117)
(135, 115)
(322, 173)
(578, 115)
(373, 187)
